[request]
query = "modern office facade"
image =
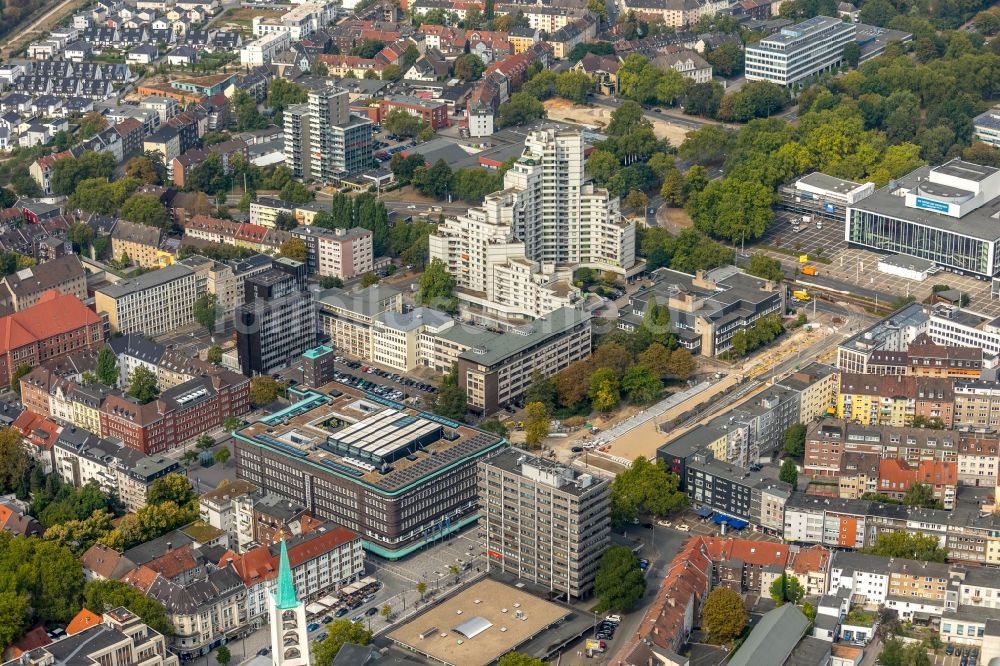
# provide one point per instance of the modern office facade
(496, 369)
(152, 304)
(400, 478)
(504, 253)
(542, 521)
(278, 320)
(944, 214)
(799, 51)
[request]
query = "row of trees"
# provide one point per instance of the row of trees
(363, 210)
(624, 365)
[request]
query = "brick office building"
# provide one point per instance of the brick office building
(57, 325)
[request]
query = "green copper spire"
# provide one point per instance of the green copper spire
(285, 597)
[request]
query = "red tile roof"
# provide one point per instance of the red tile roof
(83, 620)
(54, 314)
(260, 564)
(174, 562)
(937, 473)
(42, 432)
(813, 558)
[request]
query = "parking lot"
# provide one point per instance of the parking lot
(809, 240)
(964, 656)
(382, 382)
(860, 267)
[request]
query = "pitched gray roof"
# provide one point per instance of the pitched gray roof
(773, 639)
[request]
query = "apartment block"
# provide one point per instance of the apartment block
(895, 477)
(152, 304)
(263, 50)
(399, 477)
(895, 400)
(827, 442)
(543, 522)
(203, 611)
(277, 321)
(340, 144)
(799, 51)
(141, 243)
(230, 508)
(80, 457)
(977, 459)
(817, 385)
(178, 414)
(297, 141)
(21, 290)
(55, 326)
(742, 497)
(751, 430)
(341, 253)
(503, 253)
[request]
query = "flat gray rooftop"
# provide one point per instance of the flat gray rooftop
(830, 183)
(979, 223)
(967, 170)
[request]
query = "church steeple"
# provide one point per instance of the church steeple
(289, 629)
(285, 596)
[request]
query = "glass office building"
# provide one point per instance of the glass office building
(947, 214)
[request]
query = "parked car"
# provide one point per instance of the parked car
(341, 612)
(371, 611)
(312, 627)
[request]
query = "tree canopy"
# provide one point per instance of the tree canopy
(923, 547)
(450, 401)
(620, 583)
(723, 614)
(437, 287)
(142, 384)
(786, 588)
(645, 487)
(104, 595)
(263, 390)
(339, 632)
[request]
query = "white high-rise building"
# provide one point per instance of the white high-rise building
(512, 257)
